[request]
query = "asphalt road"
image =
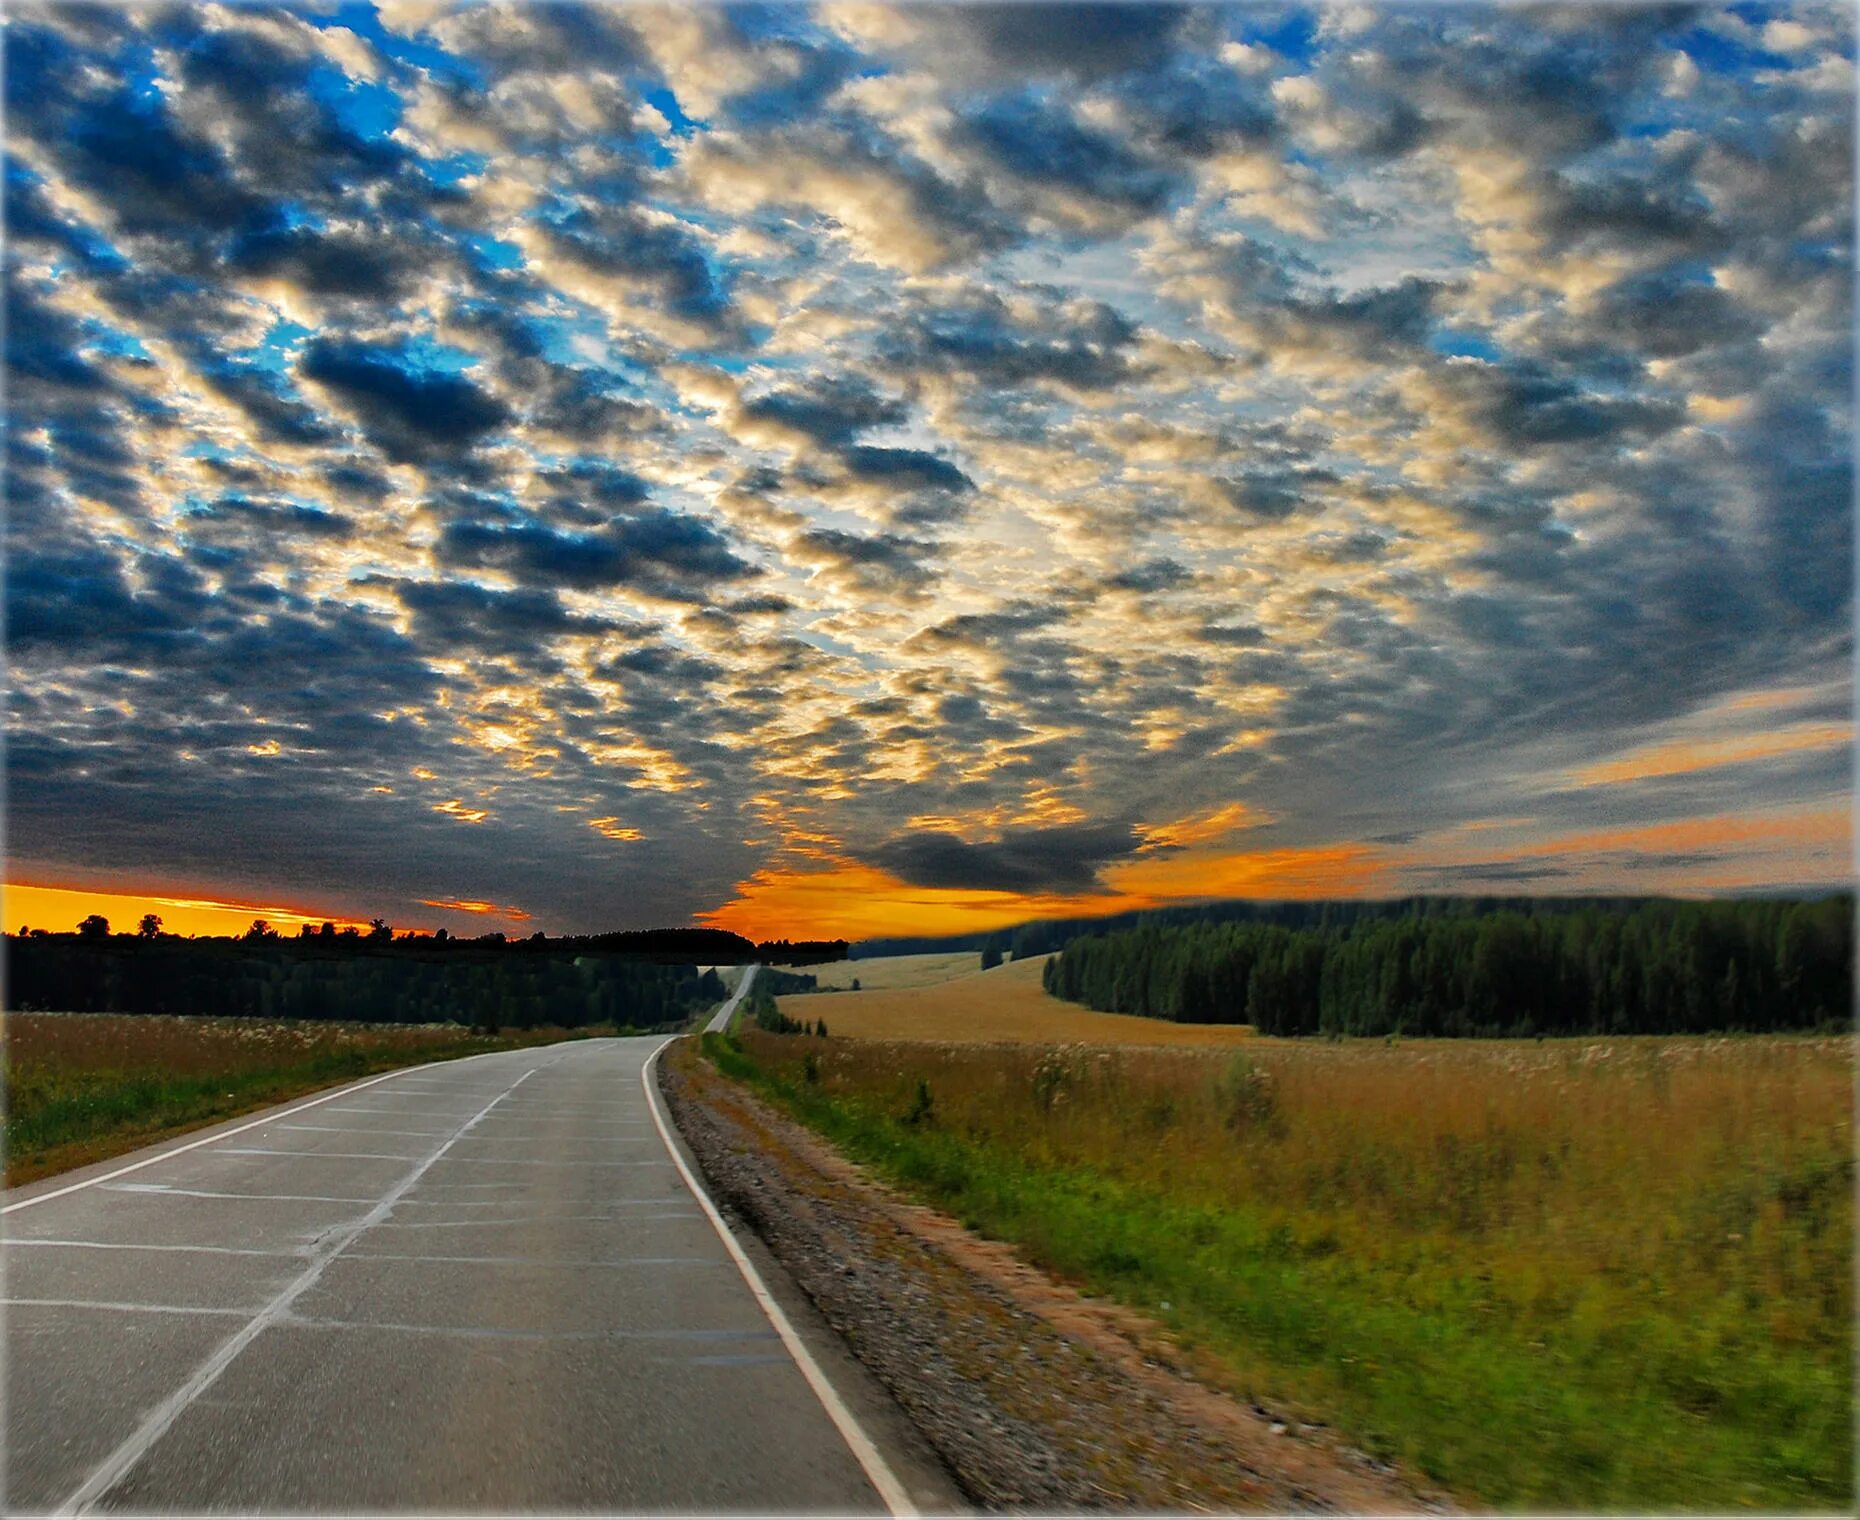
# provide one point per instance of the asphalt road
(482, 1285)
(720, 1020)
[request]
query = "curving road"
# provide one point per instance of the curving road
(480, 1285)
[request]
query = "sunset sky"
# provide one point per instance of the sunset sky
(856, 470)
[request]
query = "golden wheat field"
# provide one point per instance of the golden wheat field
(889, 972)
(1006, 1003)
(1572, 1274)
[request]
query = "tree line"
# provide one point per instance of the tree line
(1646, 967)
(1045, 935)
(304, 979)
(718, 947)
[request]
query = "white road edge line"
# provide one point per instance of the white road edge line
(194, 1145)
(877, 1469)
(156, 1424)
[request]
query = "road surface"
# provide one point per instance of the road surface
(721, 1019)
(480, 1285)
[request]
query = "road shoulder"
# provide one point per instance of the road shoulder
(1034, 1397)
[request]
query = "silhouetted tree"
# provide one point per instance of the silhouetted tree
(150, 927)
(94, 927)
(378, 929)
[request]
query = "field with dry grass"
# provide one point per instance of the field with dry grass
(1610, 1273)
(889, 972)
(81, 1087)
(1005, 1003)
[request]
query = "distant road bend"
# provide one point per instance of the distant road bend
(482, 1284)
(720, 1020)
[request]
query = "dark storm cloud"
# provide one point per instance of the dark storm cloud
(668, 259)
(1060, 860)
(278, 415)
(1480, 872)
(1526, 403)
(43, 347)
(1668, 314)
(1084, 344)
(332, 263)
(1196, 108)
(879, 565)
(80, 603)
(665, 553)
(1082, 42)
(908, 469)
(1040, 141)
(832, 412)
(450, 614)
(1268, 494)
(1155, 575)
(273, 517)
(408, 413)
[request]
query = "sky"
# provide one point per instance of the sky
(859, 470)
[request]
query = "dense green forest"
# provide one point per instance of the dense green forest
(1648, 967)
(1045, 935)
(487, 986)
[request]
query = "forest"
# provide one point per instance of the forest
(485, 986)
(1597, 967)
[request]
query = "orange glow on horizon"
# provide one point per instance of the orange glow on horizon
(853, 902)
(60, 909)
(1678, 757)
(1811, 827)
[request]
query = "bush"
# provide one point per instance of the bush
(1245, 1095)
(922, 1107)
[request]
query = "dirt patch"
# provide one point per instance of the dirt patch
(1037, 1398)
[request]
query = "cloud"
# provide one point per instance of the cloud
(410, 414)
(754, 430)
(664, 553)
(1060, 860)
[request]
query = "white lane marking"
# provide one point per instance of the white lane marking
(259, 1150)
(18, 1242)
(92, 1303)
(541, 1261)
(511, 1161)
(877, 1469)
(395, 1112)
(157, 1190)
(347, 1129)
(159, 1420)
(194, 1145)
(505, 1333)
(510, 1219)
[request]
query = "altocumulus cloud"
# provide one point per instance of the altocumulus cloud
(941, 446)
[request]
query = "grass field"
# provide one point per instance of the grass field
(82, 1087)
(887, 972)
(1572, 1274)
(1005, 1003)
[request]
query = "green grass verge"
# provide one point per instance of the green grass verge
(1411, 1352)
(56, 1120)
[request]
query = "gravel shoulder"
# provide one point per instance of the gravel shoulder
(1036, 1398)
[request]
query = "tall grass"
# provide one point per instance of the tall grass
(83, 1086)
(1598, 1273)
